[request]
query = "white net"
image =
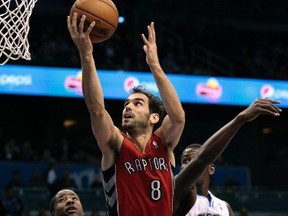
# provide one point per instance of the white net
(14, 29)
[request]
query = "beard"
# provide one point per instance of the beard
(133, 127)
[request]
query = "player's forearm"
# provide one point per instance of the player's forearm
(208, 153)
(168, 94)
(91, 85)
(218, 142)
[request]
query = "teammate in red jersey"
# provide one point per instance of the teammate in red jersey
(136, 161)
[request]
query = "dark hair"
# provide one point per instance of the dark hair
(155, 104)
(53, 200)
(193, 145)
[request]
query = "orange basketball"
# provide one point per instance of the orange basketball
(103, 12)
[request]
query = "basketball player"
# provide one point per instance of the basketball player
(192, 196)
(66, 202)
(136, 161)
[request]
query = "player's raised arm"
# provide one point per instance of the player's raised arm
(193, 167)
(102, 124)
(173, 124)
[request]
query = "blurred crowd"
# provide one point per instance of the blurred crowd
(62, 152)
(248, 46)
(13, 204)
(204, 46)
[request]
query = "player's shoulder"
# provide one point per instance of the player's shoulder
(215, 198)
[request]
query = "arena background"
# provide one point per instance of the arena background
(245, 39)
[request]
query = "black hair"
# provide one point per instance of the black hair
(155, 104)
(193, 145)
(53, 200)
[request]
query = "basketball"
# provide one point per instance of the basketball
(103, 12)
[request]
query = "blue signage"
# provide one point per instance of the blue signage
(66, 82)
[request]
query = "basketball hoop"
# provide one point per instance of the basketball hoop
(14, 29)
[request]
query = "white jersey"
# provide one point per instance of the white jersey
(204, 207)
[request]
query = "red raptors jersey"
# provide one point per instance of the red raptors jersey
(141, 184)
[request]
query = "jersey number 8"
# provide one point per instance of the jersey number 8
(155, 190)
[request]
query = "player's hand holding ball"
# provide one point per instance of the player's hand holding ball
(103, 12)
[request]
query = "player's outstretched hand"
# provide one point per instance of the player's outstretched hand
(150, 46)
(261, 106)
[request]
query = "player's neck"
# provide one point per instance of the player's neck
(140, 141)
(202, 190)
